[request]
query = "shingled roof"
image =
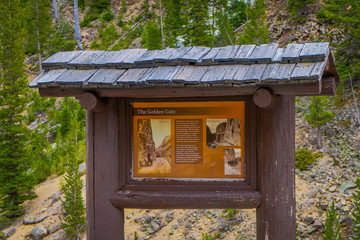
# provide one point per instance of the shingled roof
(231, 66)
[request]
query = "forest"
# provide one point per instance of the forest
(44, 137)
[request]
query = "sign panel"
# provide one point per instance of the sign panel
(189, 140)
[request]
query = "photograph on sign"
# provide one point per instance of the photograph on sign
(188, 140)
(154, 156)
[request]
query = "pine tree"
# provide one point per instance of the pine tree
(317, 115)
(15, 160)
(74, 219)
(225, 33)
(197, 30)
(332, 224)
(256, 30)
(356, 212)
(151, 36)
(172, 21)
(344, 16)
(38, 25)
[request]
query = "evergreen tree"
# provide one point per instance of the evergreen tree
(256, 30)
(74, 207)
(38, 25)
(197, 30)
(332, 224)
(15, 160)
(225, 33)
(172, 22)
(344, 16)
(237, 13)
(356, 212)
(298, 7)
(317, 115)
(151, 36)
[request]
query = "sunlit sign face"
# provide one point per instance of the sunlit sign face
(189, 140)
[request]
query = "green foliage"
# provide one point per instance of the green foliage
(108, 16)
(61, 38)
(99, 6)
(237, 13)
(303, 158)
(74, 219)
(151, 36)
(227, 34)
(332, 224)
(15, 160)
(356, 211)
(108, 36)
(172, 21)
(344, 15)
(38, 25)
(298, 7)
(207, 236)
(256, 30)
(196, 29)
(230, 213)
(317, 114)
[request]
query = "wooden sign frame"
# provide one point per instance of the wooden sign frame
(172, 193)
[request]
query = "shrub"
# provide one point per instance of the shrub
(304, 158)
(108, 16)
(356, 211)
(332, 224)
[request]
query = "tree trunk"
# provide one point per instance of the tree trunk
(162, 28)
(318, 137)
(56, 10)
(38, 37)
(77, 25)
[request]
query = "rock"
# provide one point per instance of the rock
(347, 185)
(10, 232)
(154, 226)
(82, 168)
(33, 220)
(310, 229)
(317, 224)
(37, 233)
(308, 220)
(59, 235)
(55, 228)
(347, 221)
(149, 217)
(332, 189)
(55, 198)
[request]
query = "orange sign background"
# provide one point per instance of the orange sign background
(215, 136)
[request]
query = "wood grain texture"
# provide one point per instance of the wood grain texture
(226, 53)
(302, 71)
(314, 52)
(278, 55)
(182, 199)
(73, 76)
(108, 221)
(90, 200)
(292, 52)
(47, 77)
(60, 59)
(105, 76)
(103, 59)
(85, 58)
(263, 53)
(255, 73)
(276, 170)
(194, 54)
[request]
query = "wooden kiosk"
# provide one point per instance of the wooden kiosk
(191, 127)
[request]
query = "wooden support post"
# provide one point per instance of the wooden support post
(92, 103)
(275, 217)
(103, 220)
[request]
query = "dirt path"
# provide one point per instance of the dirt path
(159, 166)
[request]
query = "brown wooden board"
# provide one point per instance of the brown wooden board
(263, 53)
(60, 59)
(183, 199)
(276, 170)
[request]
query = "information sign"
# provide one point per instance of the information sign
(189, 140)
